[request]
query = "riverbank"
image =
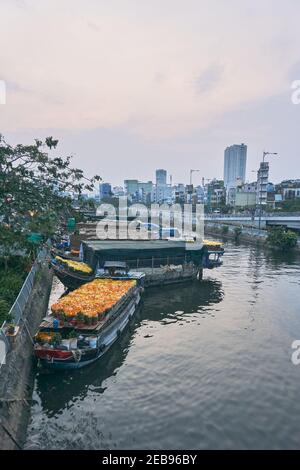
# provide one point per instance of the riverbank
(17, 375)
(249, 235)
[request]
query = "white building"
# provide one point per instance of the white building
(262, 184)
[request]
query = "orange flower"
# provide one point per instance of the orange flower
(92, 299)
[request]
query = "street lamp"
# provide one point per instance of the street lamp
(191, 175)
(268, 153)
(208, 192)
(260, 188)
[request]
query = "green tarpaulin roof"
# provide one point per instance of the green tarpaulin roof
(163, 251)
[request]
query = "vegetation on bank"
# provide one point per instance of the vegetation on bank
(12, 276)
(237, 233)
(279, 237)
(225, 229)
(35, 189)
(289, 205)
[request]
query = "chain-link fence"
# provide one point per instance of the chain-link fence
(17, 310)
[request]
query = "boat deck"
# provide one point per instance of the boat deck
(47, 322)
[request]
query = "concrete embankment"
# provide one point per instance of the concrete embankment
(247, 234)
(17, 375)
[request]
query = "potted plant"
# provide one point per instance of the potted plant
(80, 317)
(56, 339)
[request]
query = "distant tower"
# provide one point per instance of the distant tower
(235, 159)
(161, 177)
(104, 190)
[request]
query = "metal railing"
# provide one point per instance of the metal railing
(4, 347)
(17, 309)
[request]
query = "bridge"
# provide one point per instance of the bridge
(291, 222)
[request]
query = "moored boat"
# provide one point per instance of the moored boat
(86, 322)
(162, 261)
(72, 273)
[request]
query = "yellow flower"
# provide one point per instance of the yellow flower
(212, 243)
(75, 265)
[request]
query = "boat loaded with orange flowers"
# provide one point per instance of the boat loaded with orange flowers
(86, 322)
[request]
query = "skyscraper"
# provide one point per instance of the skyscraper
(105, 190)
(235, 158)
(161, 177)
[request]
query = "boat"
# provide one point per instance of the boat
(73, 340)
(72, 255)
(212, 254)
(70, 279)
(162, 261)
(119, 270)
(111, 269)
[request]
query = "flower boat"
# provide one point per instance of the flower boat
(86, 322)
(72, 273)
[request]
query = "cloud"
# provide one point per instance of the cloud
(93, 26)
(156, 70)
(208, 79)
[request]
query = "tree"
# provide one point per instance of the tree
(281, 238)
(225, 229)
(35, 190)
(11, 243)
(291, 205)
(237, 233)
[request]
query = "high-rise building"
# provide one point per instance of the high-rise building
(162, 193)
(161, 177)
(138, 191)
(104, 190)
(235, 158)
(131, 187)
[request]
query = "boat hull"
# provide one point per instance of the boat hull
(50, 360)
(153, 277)
(71, 280)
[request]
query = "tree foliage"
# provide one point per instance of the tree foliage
(290, 205)
(281, 238)
(237, 233)
(35, 190)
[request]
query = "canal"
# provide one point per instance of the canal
(203, 366)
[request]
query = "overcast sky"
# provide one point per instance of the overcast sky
(133, 85)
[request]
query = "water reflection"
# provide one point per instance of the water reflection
(61, 390)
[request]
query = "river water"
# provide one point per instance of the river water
(203, 366)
